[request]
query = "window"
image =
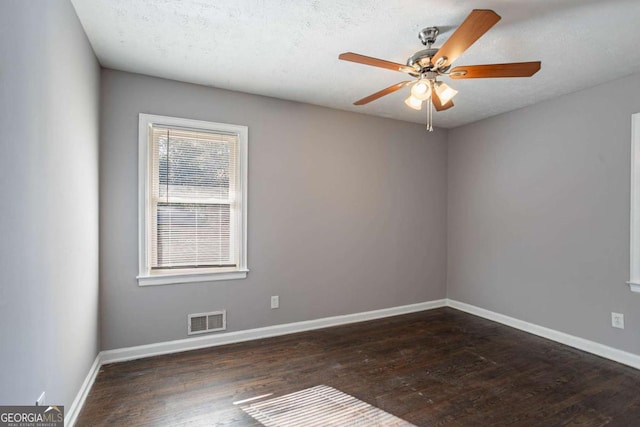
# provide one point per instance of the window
(192, 207)
(634, 280)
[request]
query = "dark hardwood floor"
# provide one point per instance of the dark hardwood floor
(434, 368)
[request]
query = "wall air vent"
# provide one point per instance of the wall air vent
(201, 323)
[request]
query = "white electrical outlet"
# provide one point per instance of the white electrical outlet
(275, 301)
(617, 320)
(40, 401)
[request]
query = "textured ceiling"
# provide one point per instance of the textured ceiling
(288, 49)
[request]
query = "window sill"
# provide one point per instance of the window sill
(635, 287)
(172, 279)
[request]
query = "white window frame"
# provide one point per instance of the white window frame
(145, 275)
(634, 276)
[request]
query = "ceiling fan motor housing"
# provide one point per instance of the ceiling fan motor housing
(422, 60)
(422, 57)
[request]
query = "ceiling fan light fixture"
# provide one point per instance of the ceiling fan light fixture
(414, 103)
(421, 90)
(445, 92)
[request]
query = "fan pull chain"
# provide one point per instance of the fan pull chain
(430, 115)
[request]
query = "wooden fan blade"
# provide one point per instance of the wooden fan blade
(513, 69)
(477, 23)
(367, 60)
(382, 93)
(437, 104)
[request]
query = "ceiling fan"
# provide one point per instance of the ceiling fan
(428, 64)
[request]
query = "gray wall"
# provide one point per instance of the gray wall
(346, 212)
(538, 213)
(49, 93)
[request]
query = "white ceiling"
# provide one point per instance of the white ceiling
(289, 48)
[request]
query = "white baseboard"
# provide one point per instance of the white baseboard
(71, 414)
(138, 352)
(601, 350)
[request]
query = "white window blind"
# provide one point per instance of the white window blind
(193, 198)
(193, 212)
